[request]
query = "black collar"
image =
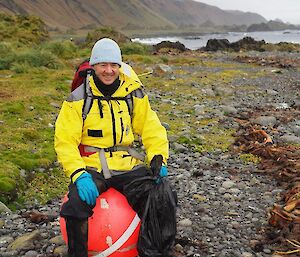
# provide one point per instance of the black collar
(106, 90)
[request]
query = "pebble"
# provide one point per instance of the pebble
(228, 184)
(185, 223)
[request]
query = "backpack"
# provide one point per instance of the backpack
(81, 74)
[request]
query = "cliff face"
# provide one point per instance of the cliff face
(130, 14)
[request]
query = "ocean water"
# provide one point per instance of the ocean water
(195, 42)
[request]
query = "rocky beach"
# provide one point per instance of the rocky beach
(225, 195)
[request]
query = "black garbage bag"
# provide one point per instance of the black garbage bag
(156, 205)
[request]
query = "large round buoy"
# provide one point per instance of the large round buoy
(113, 228)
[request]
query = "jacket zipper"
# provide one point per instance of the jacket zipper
(113, 122)
(100, 108)
(121, 122)
(122, 130)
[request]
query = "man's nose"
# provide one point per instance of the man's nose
(108, 68)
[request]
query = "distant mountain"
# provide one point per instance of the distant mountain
(272, 26)
(128, 14)
(189, 12)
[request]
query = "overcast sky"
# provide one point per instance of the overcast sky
(285, 10)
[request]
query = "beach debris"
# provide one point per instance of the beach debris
(283, 164)
(273, 61)
(293, 243)
(38, 217)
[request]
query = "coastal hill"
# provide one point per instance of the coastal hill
(128, 14)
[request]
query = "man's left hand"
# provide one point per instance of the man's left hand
(158, 169)
(156, 164)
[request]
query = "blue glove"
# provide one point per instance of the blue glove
(162, 173)
(87, 189)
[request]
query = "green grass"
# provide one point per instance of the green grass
(45, 186)
(249, 158)
(27, 136)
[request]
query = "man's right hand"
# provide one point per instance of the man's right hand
(87, 189)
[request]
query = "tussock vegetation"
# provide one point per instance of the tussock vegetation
(94, 35)
(22, 30)
(61, 49)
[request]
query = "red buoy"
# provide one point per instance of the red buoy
(113, 228)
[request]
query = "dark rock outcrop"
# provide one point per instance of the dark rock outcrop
(170, 45)
(247, 43)
(217, 44)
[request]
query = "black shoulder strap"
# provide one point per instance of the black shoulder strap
(88, 97)
(129, 102)
(129, 98)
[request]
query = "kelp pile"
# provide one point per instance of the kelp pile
(283, 164)
(273, 61)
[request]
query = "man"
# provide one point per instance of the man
(93, 147)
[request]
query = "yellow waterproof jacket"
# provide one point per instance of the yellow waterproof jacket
(108, 124)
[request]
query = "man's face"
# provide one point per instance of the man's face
(107, 72)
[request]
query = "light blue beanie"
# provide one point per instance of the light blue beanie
(106, 50)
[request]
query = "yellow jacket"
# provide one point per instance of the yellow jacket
(113, 127)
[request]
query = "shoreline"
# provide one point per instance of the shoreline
(151, 34)
(196, 41)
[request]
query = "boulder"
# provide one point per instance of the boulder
(217, 44)
(170, 45)
(247, 43)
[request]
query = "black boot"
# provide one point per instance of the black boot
(77, 230)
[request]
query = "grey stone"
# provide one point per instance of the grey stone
(179, 148)
(185, 223)
(228, 184)
(229, 110)
(61, 250)
(5, 240)
(4, 208)
(267, 121)
(290, 139)
(55, 105)
(13, 253)
(31, 253)
(199, 109)
(25, 242)
(272, 92)
(166, 125)
(58, 240)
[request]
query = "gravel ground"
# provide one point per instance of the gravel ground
(223, 202)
